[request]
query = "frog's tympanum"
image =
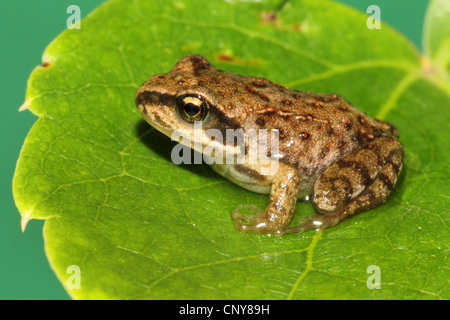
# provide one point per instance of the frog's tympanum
(329, 152)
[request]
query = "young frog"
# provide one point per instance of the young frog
(329, 152)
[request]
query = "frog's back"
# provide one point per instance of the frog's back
(315, 130)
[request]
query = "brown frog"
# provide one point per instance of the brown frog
(328, 152)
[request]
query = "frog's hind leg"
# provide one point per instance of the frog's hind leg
(358, 182)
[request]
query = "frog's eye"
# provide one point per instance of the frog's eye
(192, 107)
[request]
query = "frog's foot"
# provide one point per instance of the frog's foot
(253, 222)
(317, 222)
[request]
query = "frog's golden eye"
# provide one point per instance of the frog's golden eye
(192, 107)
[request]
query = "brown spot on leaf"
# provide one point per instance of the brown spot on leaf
(224, 57)
(267, 17)
(297, 27)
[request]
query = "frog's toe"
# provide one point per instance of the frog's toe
(257, 226)
(317, 222)
(316, 219)
(256, 222)
(237, 215)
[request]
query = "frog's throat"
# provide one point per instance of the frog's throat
(200, 142)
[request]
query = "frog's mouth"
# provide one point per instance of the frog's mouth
(197, 140)
(151, 118)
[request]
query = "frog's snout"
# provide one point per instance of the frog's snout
(141, 98)
(145, 99)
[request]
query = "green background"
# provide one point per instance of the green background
(26, 28)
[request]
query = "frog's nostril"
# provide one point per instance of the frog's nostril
(143, 97)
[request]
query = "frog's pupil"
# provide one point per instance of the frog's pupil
(191, 109)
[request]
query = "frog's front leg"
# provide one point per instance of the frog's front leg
(280, 208)
(358, 182)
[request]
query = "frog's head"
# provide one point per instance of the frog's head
(181, 98)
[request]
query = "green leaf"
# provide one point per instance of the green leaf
(138, 226)
(437, 35)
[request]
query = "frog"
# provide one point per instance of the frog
(329, 153)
